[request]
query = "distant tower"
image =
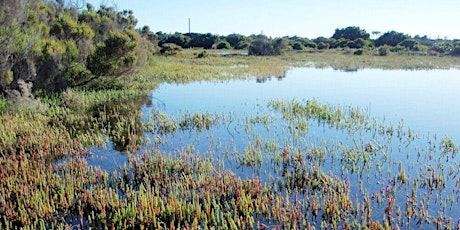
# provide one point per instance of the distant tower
(189, 25)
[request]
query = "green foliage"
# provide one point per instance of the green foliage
(51, 47)
(350, 33)
(391, 38)
(455, 51)
(409, 43)
(114, 56)
(358, 52)
(298, 46)
(263, 46)
(3, 104)
(6, 77)
(237, 41)
(205, 41)
(223, 45)
(177, 39)
(384, 50)
(170, 49)
(77, 74)
(65, 27)
(323, 45)
(203, 54)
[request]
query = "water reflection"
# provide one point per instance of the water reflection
(269, 78)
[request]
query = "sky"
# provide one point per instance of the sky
(304, 18)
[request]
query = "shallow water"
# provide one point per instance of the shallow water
(425, 100)
(421, 104)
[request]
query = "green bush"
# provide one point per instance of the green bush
(358, 52)
(384, 50)
(170, 49)
(455, 51)
(203, 54)
(223, 45)
(114, 56)
(3, 105)
(323, 45)
(298, 46)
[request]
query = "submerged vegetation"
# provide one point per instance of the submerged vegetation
(74, 78)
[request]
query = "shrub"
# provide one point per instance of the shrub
(384, 50)
(114, 56)
(323, 45)
(223, 45)
(298, 46)
(358, 52)
(203, 54)
(170, 49)
(455, 51)
(3, 105)
(263, 46)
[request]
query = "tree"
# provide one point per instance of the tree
(237, 41)
(391, 38)
(223, 45)
(298, 46)
(177, 38)
(263, 46)
(114, 56)
(205, 41)
(410, 43)
(350, 33)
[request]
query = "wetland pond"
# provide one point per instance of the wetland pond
(389, 136)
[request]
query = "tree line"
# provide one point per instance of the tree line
(48, 46)
(350, 37)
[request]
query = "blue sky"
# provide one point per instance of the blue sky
(305, 18)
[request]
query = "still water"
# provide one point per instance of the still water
(427, 101)
(419, 102)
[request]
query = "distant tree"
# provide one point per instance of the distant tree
(391, 38)
(237, 41)
(298, 46)
(170, 49)
(350, 33)
(177, 38)
(323, 42)
(384, 50)
(323, 45)
(205, 41)
(263, 46)
(410, 44)
(223, 45)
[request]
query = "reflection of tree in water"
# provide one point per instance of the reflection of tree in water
(121, 122)
(269, 78)
(346, 70)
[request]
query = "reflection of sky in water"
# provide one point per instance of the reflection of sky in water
(425, 100)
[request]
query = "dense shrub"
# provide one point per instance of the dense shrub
(114, 56)
(323, 45)
(223, 45)
(358, 52)
(203, 54)
(350, 33)
(237, 41)
(391, 38)
(263, 46)
(170, 49)
(384, 50)
(298, 46)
